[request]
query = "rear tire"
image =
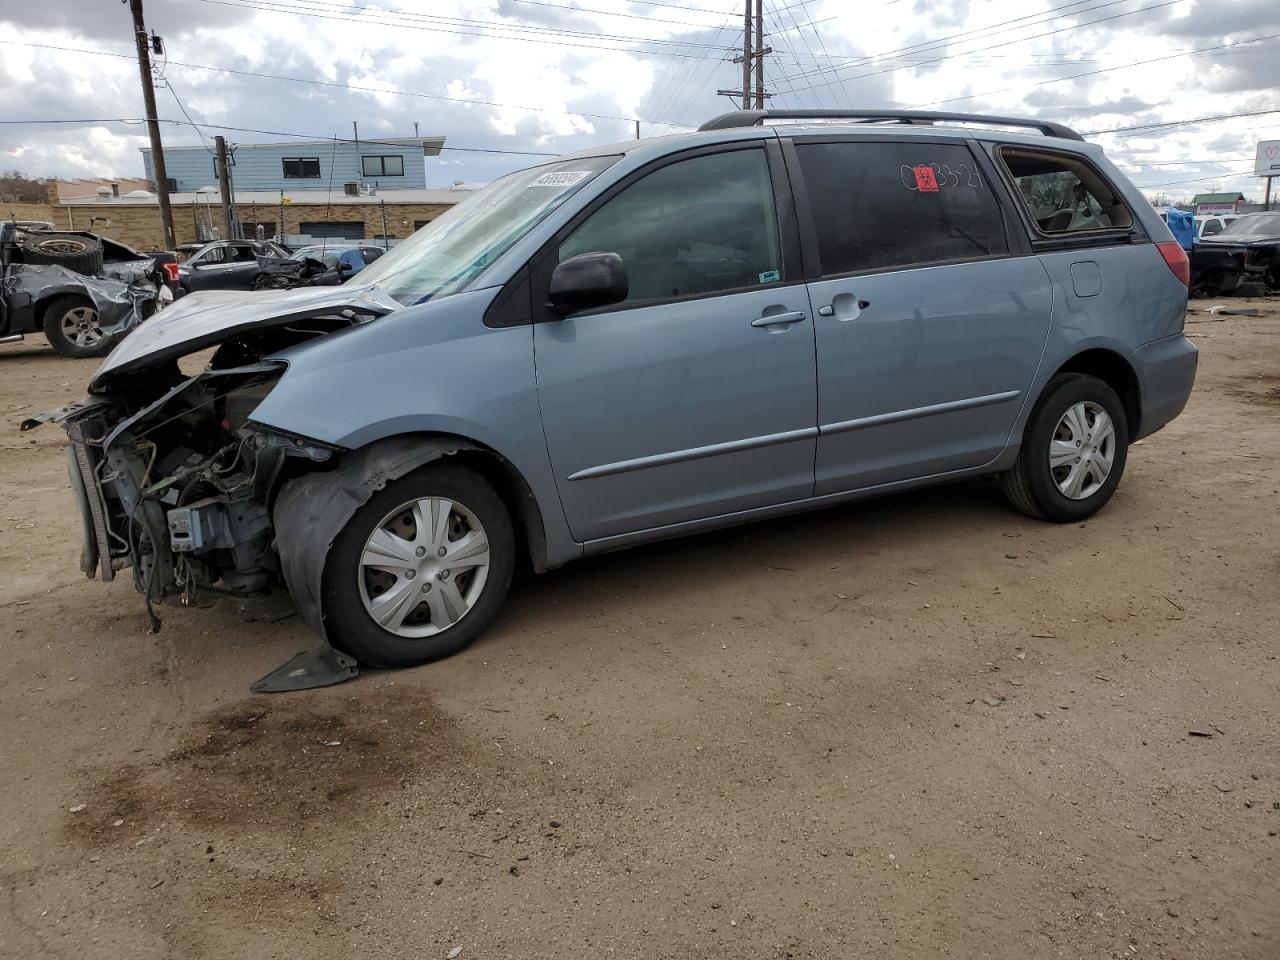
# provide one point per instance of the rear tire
(72, 328)
(1073, 451)
(416, 546)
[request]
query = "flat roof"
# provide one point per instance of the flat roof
(295, 198)
(430, 145)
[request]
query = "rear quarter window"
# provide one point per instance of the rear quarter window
(880, 205)
(1063, 195)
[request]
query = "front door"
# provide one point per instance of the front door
(928, 332)
(694, 397)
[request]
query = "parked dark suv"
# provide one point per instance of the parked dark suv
(641, 341)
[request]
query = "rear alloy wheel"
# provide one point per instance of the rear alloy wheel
(1073, 451)
(72, 328)
(421, 569)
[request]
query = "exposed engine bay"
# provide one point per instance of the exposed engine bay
(173, 480)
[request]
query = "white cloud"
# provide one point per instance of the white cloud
(980, 56)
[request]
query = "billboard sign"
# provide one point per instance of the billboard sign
(1267, 163)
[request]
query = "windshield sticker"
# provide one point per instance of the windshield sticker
(770, 276)
(561, 178)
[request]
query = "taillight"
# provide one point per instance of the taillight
(170, 271)
(1176, 259)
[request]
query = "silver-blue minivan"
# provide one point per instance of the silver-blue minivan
(783, 310)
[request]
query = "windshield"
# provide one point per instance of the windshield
(446, 254)
(1265, 225)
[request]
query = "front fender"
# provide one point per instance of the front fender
(434, 368)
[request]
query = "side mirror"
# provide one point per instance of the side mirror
(586, 281)
(344, 267)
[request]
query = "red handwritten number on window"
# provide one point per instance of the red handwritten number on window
(926, 182)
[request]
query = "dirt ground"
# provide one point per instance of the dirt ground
(923, 726)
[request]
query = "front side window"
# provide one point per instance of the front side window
(1064, 195)
(450, 251)
(698, 226)
(301, 168)
(881, 205)
(388, 166)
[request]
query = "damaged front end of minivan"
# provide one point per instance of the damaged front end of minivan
(173, 480)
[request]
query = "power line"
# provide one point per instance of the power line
(539, 35)
(168, 84)
(777, 30)
(1178, 163)
(822, 45)
(1174, 183)
(1006, 43)
(1094, 73)
(615, 13)
(928, 46)
(1182, 123)
(343, 86)
(809, 49)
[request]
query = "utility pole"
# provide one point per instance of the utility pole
(759, 55)
(153, 125)
(224, 188)
(751, 54)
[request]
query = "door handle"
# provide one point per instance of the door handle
(778, 319)
(844, 307)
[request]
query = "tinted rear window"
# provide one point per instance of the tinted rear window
(884, 205)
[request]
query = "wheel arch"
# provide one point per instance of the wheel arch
(506, 478)
(1116, 372)
(50, 297)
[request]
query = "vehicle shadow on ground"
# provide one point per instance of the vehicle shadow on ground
(846, 535)
(30, 351)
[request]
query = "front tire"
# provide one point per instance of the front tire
(421, 569)
(1073, 451)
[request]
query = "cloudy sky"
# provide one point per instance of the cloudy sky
(557, 75)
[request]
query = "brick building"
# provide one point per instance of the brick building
(134, 218)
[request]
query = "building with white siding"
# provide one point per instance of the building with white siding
(353, 167)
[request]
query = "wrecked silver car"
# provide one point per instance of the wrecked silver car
(83, 291)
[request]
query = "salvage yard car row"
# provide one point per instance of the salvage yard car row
(84, 292)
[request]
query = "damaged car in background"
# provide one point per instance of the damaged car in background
(1246, 251)
(634, 343)
(83, 291)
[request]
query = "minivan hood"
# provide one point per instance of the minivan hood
(207, 318)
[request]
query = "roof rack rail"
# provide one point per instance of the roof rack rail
(751, 118)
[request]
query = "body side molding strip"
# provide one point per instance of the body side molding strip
(916, 412)
(693, 453)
